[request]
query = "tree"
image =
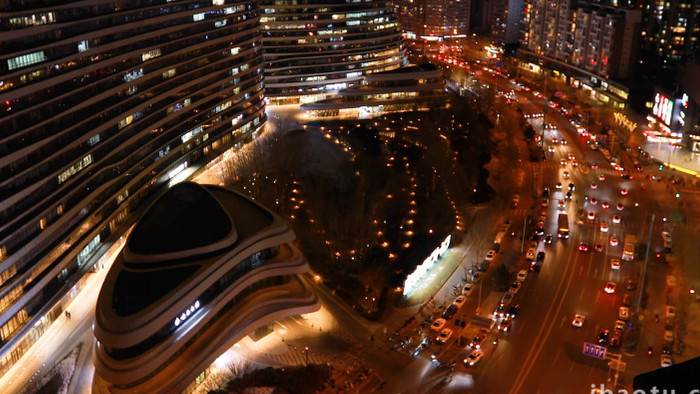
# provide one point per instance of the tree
(501, 278)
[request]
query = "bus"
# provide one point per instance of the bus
(563, 226)
(628, 249)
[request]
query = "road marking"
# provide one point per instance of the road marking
(554, 362)
(563, 321)
(580, 296)
(595, 273)
(545, 329)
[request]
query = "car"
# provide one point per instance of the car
(570, 156)
(620, 207)
(500, 310)
(473, 358)
(516, 198)
(476, 342)
(594, 185)
(671, 312)
(601, 177)
(566, 174)
(522, 274)
(515, 286)
(574, 162)
(530, 255)
(468, 289)
(555, 141)
(603, 336)
(504, 325)
(604, 205)
(668, 336)
(539, 230)
(604, 227)
(593, 201)
(490, 255)
(535, 267)
(444, 335)
(564, 142)
(483, 266)
(630, 284)
(615, 339)
(619, 326)
(594, 166)
(666, 361)
(438, 324)
(548, 239)
(614, 241)
(561, 204)
(671, 281)
(610, 287)
(616, 219)
(539, 258)
(551, 149)
(569, 195)
(583, 247)
(572, 187)
(598, 247)
(545, 192)
(450, 312)
(623, 313)
(512, 312)
(623, 192)
(590, 215)
(544, 202)
(459, 301)
(562, 162)
(666, 236)
(615, 264)
(558, 185)
(578, 320)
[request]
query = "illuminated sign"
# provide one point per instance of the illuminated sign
(684, 107)
(413, 279)
(663, 108)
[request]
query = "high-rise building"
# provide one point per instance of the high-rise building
(204, 267)
(434, 19)
(503, 18)
(101, 104)
(585, 40)
(671, 32)
(313, 48)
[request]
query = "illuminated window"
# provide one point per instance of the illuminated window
(42, 223)
(59, 209)
(26, 60)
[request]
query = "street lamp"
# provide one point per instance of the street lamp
(306, 355)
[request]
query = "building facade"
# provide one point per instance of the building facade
(587, 41)
(434, 19)
(313, 48)
(204, 267)
(671, 31)
(101, 105)
(504, 18)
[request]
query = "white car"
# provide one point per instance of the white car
(670, 312)
(522, 274)
(468, 289)
(530, 255)
(444, 336)
(616, 219)
(473, 357)
(490, 255)
(603, 227)
(671, 281)
(590, 215)
(624, 313)
(459, 301)
(666, 361)
(614, 241)
(620, 326)
(578, 320)
(615, 264)
(566, 174)
(438, 324)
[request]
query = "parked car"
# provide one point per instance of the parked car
(444, 336)
(438, 324)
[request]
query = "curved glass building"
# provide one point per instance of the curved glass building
(204, 267)
(103, 102)
(313, 48)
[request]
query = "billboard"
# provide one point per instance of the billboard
(663, 108)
